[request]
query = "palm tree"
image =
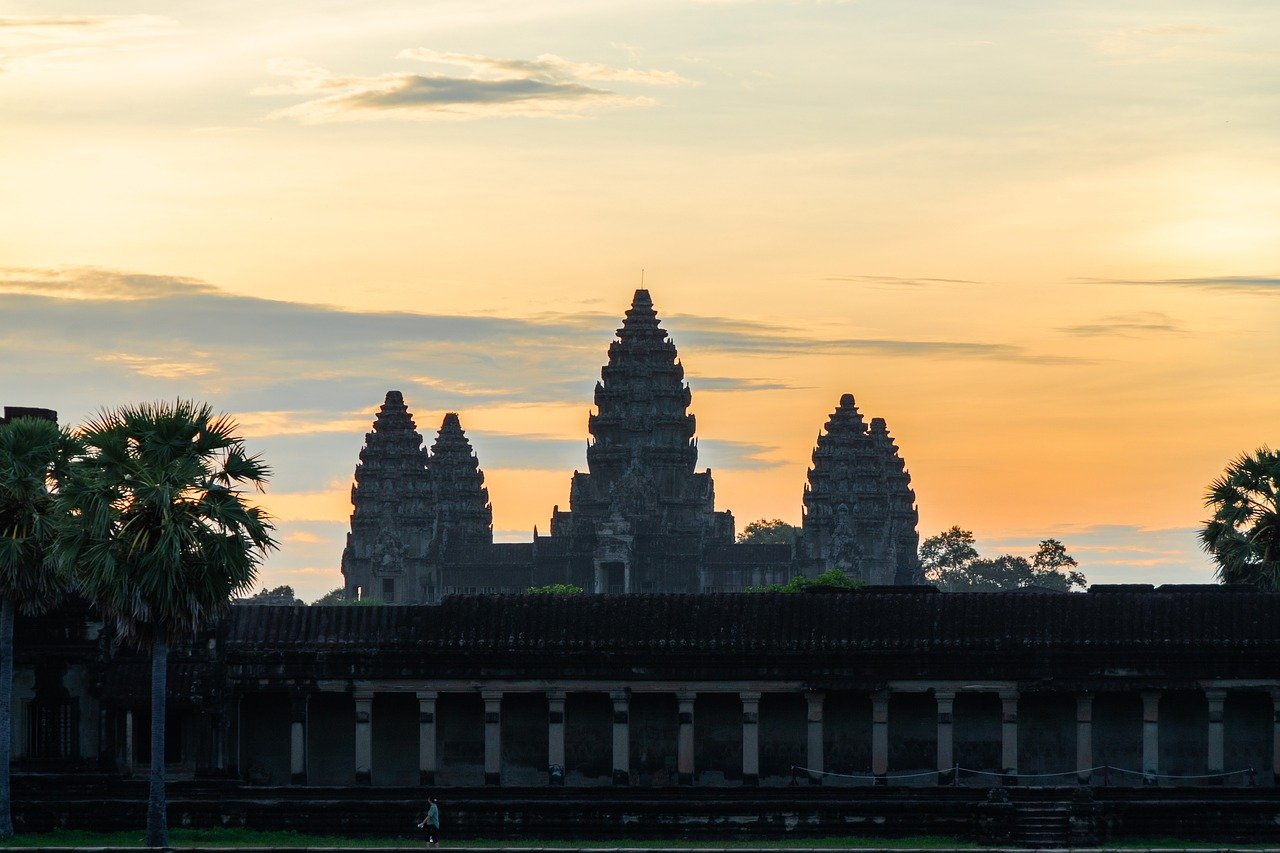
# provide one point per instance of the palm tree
(33, 454)
(1244, 534)
(165, 536)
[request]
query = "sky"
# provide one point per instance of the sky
(1042, 240)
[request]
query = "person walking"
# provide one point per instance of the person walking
(431, 823)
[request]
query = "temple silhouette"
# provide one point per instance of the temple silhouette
(641, 518)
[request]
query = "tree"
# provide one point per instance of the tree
(33, 457)
(952, 563)
(1053, 567)
(948, 552)
(768, 531)
(555, 589)
(799, 583)
(280, 595)
(1243, 535)
(164, 536)
(332, 597)
(339, 598)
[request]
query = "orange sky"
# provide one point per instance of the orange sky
(1041, 241)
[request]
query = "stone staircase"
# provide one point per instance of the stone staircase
(1042, 825)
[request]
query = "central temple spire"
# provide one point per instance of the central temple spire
(642, 401)
(642, 457)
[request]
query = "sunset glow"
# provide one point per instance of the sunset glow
(1041, 241)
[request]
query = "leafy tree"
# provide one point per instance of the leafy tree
(555, 589)
(332, 597)
(799, 583)
(1053, 567)
(1244, 533)
(164, 536)
(278, 595)
(338, 598)
(33, 457)
(953, 564)
(948, 552)
(768, 531)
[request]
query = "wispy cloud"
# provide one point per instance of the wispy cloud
(27, 39)
(895, 281)
(96, 283)
(1268, 284)
(160, 368)
(480, 86)
(1127, 325)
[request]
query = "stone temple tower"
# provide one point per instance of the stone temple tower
(387, 550)
(859, 509)
(463, 513)
(642, 481)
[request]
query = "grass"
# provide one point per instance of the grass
(252, 838)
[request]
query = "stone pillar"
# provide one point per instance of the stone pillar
(427, 736)
(750, 738)
(945, 701)
(1150, 736)
(1217, 755)
(684, 738)
(1009, 735)
(1084, 738)
(880, 736)
(298, 740)
(364, 737)
(555, 735)
(130, 756)
(1275, 735)
(813, 755)
(621, 737)
(219, 741)
(492, 737)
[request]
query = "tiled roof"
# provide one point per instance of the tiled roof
(1181, 618)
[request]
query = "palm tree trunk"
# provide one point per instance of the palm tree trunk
(157, 821)
(6, 714)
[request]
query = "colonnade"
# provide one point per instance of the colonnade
(749, 696)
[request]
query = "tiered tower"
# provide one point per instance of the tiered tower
(860, 513)
(464, 515)
(642, 458)
(387, 549)
(642, 506)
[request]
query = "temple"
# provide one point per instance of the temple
(641, 518)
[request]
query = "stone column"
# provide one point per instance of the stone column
(813, 755)
(555, 735)
(1150, 736)
(1217, 754)
(1084, 738)
(492, 737)
(298, 740)
(1009, 735)
(1275, 735)
(945, 701)
(750, 738)
(427, 736)
(130, 756)
(684, 739)
(880, 736)
(364, 737)
(220, 741)
(621, 737)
